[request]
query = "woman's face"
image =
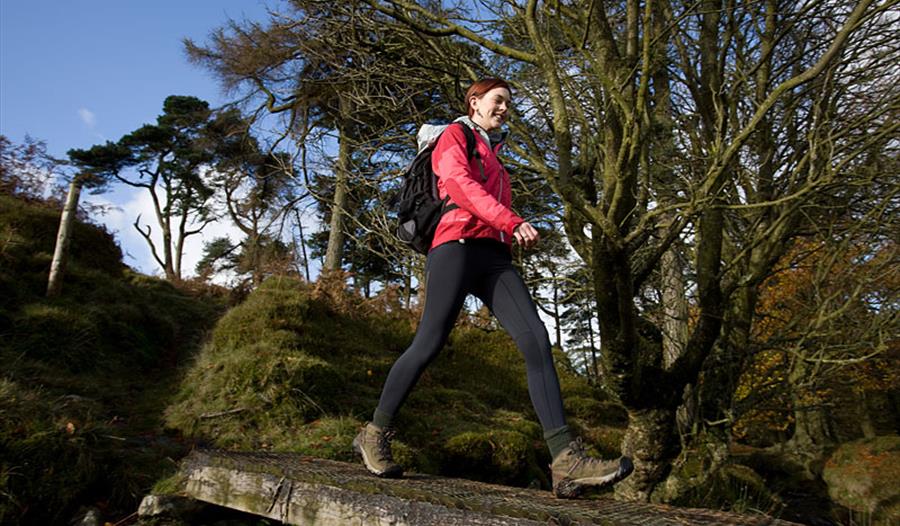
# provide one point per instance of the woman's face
(491, 109)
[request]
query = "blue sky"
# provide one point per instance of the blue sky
(77, 73)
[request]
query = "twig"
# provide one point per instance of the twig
(223, 413)
(126, 520)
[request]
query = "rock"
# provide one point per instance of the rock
(88, 517)
(173, 506)
(862, 475)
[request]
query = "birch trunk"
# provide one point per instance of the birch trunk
(334, 252)
(63, 237)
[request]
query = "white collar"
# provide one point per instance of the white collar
(490, 138)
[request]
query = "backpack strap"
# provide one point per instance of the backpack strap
(471, 150)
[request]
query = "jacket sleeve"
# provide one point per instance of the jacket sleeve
(451, 165)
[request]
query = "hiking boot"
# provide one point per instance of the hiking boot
(374, 444)
(573, 471)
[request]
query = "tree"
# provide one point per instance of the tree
(171, 160)
(579, 316)
(26, 169)
(710, 123)
(259, 189)
(334, 72)
(825, 328)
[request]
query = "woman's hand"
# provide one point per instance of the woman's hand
(526, 235)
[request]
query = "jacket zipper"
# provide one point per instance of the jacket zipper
(500, 194)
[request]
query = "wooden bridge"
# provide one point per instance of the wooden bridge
(300, 490)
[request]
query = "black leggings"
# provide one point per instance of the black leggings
(484, 268)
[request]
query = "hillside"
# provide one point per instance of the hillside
(85, 376)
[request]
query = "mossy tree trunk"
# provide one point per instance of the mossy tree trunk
(812, 436)
(652, 442)
(866, 424)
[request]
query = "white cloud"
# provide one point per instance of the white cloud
(119, 218)
(120, 221)
(87, 117)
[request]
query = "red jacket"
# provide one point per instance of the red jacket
(483, 207)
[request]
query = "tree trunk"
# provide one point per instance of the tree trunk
(651, 442)
(407, 285)
(256, 273)
(595, 367)
(674, 304)
(813, 437)
(694, 467)
(63, 237)
(557, 322)
(178, 249)
(421, 278)
(303, 246)
(675, 330)
(334, 252)
(165, 224)
(865, 417)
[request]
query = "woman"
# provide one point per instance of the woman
(470, 253)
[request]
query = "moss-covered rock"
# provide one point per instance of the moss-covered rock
(500, 456)
(863, 475)
(731, 486)
(606, 439)
(596, 412)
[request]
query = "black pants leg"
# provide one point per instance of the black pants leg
(452, 271)
(506, 295)
(446, 286)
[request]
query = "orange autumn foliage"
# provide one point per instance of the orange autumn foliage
(823, 311)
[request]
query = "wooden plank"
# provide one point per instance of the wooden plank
(298, 503)
(301, 490)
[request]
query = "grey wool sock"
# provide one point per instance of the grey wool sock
(558, 439)
(381, 420)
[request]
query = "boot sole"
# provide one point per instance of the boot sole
(573, 488)
(387, 474)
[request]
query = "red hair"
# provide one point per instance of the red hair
(481, 87)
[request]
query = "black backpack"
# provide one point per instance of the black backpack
(418, 207)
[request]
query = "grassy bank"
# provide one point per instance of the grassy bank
(85, 375)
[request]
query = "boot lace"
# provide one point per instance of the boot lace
(383, 444)
(577, 449)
